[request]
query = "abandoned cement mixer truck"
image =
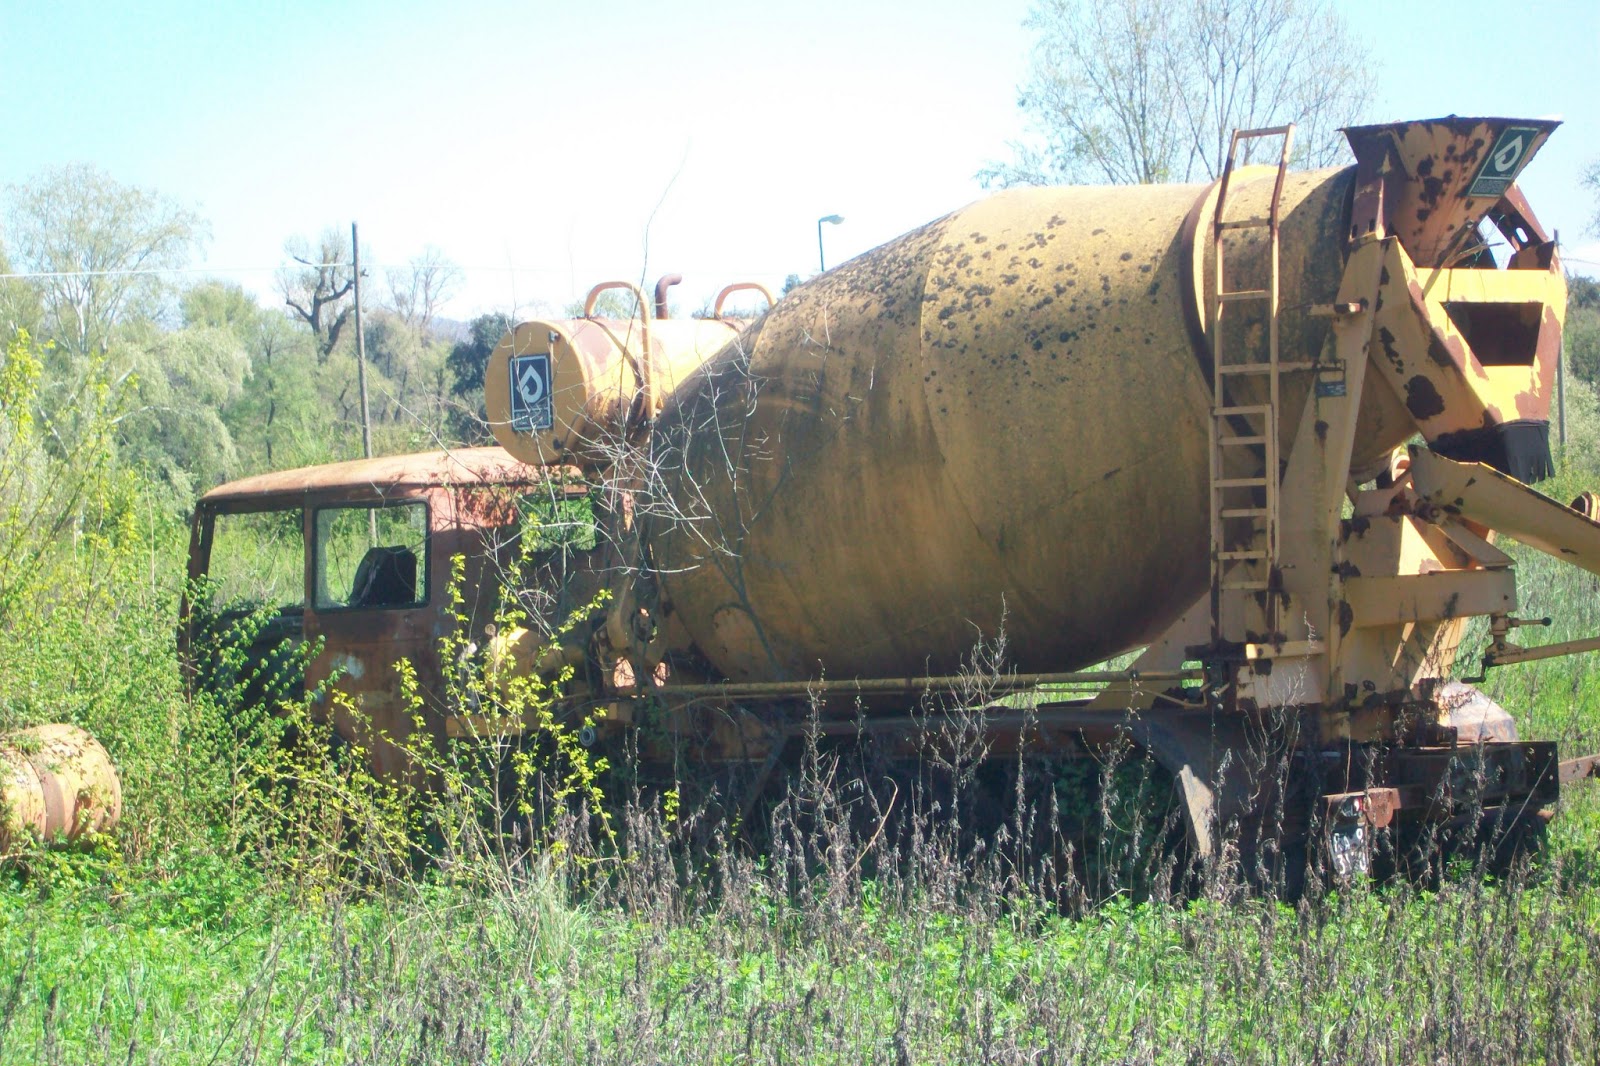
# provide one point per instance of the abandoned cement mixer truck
(1266, 430)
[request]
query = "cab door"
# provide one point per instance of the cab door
(373, 604)
(242, 615)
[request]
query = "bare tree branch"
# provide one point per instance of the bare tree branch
(1140, 91)
(419, 289)
(317, 292)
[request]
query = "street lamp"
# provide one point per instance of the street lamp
(832, 220)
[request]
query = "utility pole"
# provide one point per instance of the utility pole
(1561, 397)
(1561, 385)
(361, 345)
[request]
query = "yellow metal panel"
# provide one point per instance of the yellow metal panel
(1505, 504)
(997, 420)
(1436, 597)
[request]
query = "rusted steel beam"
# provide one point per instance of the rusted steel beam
(1045, 717)
(946, 683)
(1575, 770)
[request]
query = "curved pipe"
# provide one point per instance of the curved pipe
(667, 281)
(594, 295)
(740, 286)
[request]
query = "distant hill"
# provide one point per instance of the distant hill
(450, 330)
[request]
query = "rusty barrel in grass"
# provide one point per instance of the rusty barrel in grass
(56, 784)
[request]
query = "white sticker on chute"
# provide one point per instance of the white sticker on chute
(1504, 160)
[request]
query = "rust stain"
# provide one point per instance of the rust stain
(1422, 399)
(373, 477)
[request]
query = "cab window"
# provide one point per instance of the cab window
(371, 556)
(257, 560)
(557, 521)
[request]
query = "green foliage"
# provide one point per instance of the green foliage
(612, 303)
(181, 382)
(1581, 336)
(89, 558)
(550, 522)
(20, 309)
(66, 508)
(466, 364)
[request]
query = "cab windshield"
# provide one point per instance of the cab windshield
(370, 557)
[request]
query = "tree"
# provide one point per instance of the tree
(1140, 91)
(181, 382)
(319, 290)
(1582, 332)
(19, 303)
(98, 246)
(276, 412)
(467, 363)
(1591, 181)
(421, 287)
(612, 303)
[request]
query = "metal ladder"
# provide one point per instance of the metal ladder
(1240, 429)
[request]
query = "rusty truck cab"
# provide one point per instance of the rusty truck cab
(358, 557)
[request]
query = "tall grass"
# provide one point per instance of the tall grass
(797, 955)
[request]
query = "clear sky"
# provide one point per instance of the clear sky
(546, 145)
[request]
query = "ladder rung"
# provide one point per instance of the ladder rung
(1266, 368)
(1237, 441)
(1248, 409)
(1245, 223)
(1243, 294)
(1261, 131)
(1242, 555)
(1243, 512)
(1248, 586)
(1240, 483)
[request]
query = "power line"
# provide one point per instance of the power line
(156, 271)
(151, 271)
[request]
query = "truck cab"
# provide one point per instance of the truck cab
(356, 560)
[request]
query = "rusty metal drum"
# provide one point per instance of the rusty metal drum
(56, 783)
(578, 390)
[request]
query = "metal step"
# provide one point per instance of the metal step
(1240, 295)
(1266, 368)
(1244, 512)
(1234, 442)
(1241, 483)
(1253, 554)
